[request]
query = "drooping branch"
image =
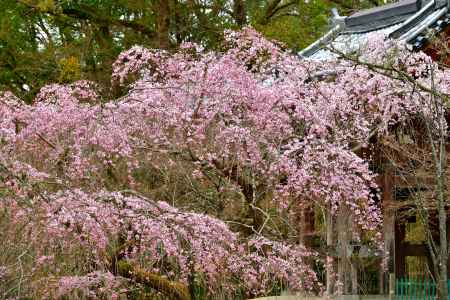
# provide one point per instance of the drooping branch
(172, 289)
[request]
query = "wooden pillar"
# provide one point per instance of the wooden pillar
(305, 221)
(448, 239)
(309, 227)
(386, 183)
(330, 272)
(353, 262)
(391, 286)
(344, 268)
(400, 257)
(354, 276)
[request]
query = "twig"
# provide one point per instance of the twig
(46, 141)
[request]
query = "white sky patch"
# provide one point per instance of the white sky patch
(26, 87)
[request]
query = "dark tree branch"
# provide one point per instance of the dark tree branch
(84, 12)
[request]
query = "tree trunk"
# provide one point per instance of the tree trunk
(269, 10)
(443, 251)
(239, 12)
(439, 155)
(163, 24)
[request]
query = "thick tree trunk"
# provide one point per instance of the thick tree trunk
(163, 24)
(239, 12)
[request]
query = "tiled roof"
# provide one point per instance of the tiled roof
(375, 25)
(407, 20)
(405, 7)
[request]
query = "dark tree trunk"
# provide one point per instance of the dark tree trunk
(163, 24)
(239, 13)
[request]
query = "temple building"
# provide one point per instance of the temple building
(420, 24)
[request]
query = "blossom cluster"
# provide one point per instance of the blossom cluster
(160, 238)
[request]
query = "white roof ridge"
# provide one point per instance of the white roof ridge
(429, 6)
(321, 41)
(411, 34)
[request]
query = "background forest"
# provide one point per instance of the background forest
(47, 41)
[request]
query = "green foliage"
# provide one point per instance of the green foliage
(415, 232)
(46, 41)
(69, 69)
(298, 31)
(46, 5)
